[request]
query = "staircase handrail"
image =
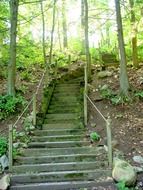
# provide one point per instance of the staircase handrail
(11, 127)
(108, 128)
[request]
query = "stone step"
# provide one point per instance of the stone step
(67, 90)
(65, 104)
(63, 94)
(60, 101)
(76, 177)
(62, 144)
(60, 116)
(64, 107)
(61, 158)
(65, 98)
(66, 131)
(63, 126)
(61, 151)
(67, 85)
(69, 185)
(62, 121)
(64, 110)
(57, 138)
(54, 167)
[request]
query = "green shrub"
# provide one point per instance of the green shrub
(94, 136)
(10, 104)
(121, 186)
(139, 94)
(114, 98)
(106, 93)
(3, 145)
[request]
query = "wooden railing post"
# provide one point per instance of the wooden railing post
(10, 147)
(34, 109)
(109, 142)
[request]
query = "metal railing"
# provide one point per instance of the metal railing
(108, 129)
(32, 102)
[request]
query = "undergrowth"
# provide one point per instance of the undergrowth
(9, 105)
(115, 99)
(3, 145)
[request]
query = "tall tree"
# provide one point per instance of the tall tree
(134, 34)
(13, 32)
(87, 39)
(124, 84)
(52, 32)
(65, 38)
(43, 35)
(87, 64)
(82, 26)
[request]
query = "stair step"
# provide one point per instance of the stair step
(66, 90)
(64, 107)
(57, 138)
(62, 101)
(61, 94)
(74, 185)
(68, 131)
(63, 144)
(65, 98)
(59, 116)
(53, 167)
(61, 151)
(65, 104)
(61, 176)
(61, 158)
(63, 126)
(67, 85)
(62, 121)
(65, 110)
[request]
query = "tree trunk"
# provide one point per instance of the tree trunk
(134, 35)
(12, 61)
(87, 40)
(124, 84)
(52, 33)
(59, 36)
(65, 38)
(43, 35)
(87, 70)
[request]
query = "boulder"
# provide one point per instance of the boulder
(138, 169)
(4, 162)
(5, 182)
(123, 171)
(103, 74)
(138, 159)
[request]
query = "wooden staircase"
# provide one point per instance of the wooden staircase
(60, 156)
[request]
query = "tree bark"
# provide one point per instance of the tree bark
(88, 60)
(82, 27)
(124, 84)
(134, 35)
(65, 38)
(52, 33)
(12, 61)
(43, 33)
